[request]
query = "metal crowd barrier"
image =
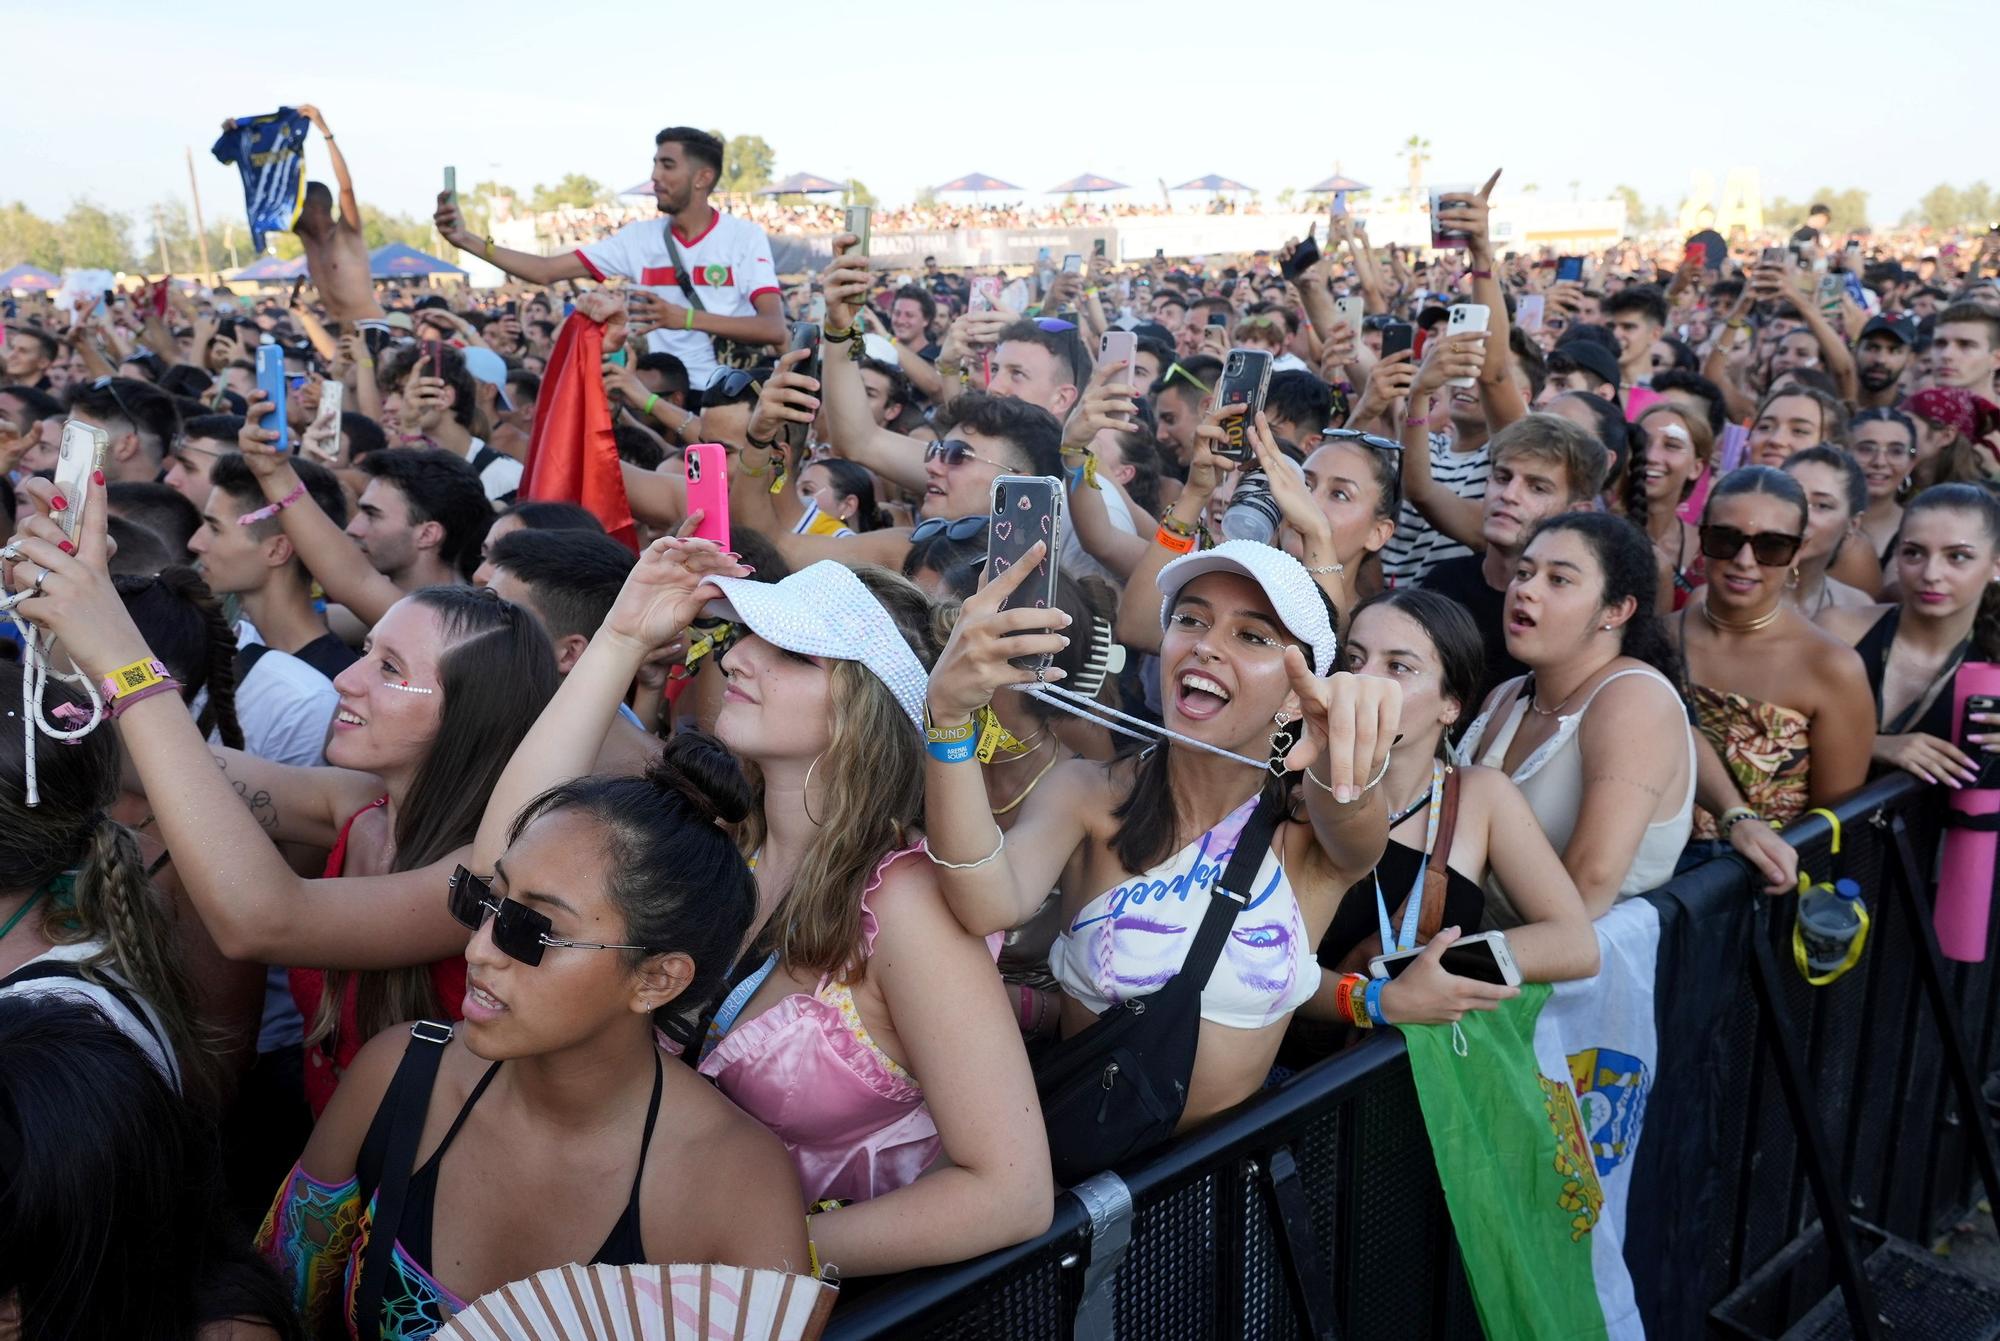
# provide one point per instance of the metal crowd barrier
(1333, 1170)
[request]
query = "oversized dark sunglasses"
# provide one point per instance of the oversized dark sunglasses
(1771, 549)
(956, 452)
(518, 930)
(952, 528)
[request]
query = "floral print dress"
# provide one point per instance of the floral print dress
(1766, 748)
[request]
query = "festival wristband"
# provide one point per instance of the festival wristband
(273, 509)
(117, 706)
(651, 401)
(1177, 544)
(690, 320)
(948, 735)
(133, 678)
(953, 752)
(1372, 1000)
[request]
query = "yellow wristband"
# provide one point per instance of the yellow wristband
(947, 735)
(143, 674)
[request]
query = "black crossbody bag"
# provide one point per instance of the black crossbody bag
(1119, 1087)
(728, 353)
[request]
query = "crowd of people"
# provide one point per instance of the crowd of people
(466, 878)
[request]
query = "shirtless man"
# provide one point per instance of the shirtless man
(336, 252)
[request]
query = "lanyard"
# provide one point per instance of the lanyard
(1055, 696)
(733, 1004)
(1391, 944)
(20, 913)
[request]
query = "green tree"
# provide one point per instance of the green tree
(379, 228)
(27, 236)
(1417, 151)
(747, 163)
(1945, 206)
(476, 205)
(858, 192)
(573, 189)
(1847, 210)
(95, 238)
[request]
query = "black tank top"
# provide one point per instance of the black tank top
(1354, 921)
(1874, 652)
(622, 1247)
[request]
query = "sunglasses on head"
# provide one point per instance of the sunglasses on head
(729, 383)
(519, 932)
(1380, 444)
(1175, 370)
(956, 452)
(952, 528)
(1771, 549)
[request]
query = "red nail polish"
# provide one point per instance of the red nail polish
(65, 547)
(59, 502)
(97, 477)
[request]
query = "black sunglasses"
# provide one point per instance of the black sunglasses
(729, 383)
(519, 932)
(956, 452)
(1379, 443)
(952, 528)
(1771, 549)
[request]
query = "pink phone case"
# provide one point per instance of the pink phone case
(707, 467)
(1638, 400)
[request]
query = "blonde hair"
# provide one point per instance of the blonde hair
(871, 776)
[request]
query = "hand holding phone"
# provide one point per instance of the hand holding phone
(1302, 257)
(1246, 377)
(706, 466)
(859, 217)
(80, 456)
(271, 381)
(1026, 509)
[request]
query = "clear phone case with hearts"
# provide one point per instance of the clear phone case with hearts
(1025, 509)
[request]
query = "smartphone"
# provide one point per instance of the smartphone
(1304, 256)
(1986, 756)
(1440, 236)
(1773, 256)
(434, 358)
(1397, 338)
(1073, 263)
(707, 467)
(1528, 311)
(1218, 318)
(451, 186)
(290, 302)
(1569, 270)
(1694, 253)
(1097, 248)
(858, 218)
(1484, 958)
(1026, 509)
(1464, 318)
(1340, 204)
(325, 427)
(271, 381)
(1831, 285)
(985, 294)
(1351, 312)
(1246, 376)
(1119, 347)
(805, 335)
(81, 456)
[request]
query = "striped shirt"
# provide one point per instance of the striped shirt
(1417, 546)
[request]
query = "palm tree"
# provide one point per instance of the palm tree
(1417, 150)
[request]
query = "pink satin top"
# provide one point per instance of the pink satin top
(854, 1121)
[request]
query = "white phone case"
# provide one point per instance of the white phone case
(1466, 317)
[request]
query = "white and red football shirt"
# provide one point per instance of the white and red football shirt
(729, 264)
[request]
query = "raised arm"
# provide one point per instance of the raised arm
(342, 570)
(1833, 350)
(666, 590)
(350, 204)
(1462, 519)
(1138, 622)
(252, 903)
(521, 264)
(1000, 891)
(850, 429)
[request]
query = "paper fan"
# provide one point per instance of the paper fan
(648, 1303)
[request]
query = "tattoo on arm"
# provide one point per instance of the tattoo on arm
(1651, 789)
(262, 805)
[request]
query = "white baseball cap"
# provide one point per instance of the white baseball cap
(1293, 594)
(825, 611)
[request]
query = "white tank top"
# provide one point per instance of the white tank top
(1552, 780)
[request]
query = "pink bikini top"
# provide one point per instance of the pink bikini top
(854, 1121)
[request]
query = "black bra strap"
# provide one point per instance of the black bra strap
(646, 1141)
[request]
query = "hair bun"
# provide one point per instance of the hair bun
(700, 770)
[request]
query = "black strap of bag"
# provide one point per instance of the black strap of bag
(681, 271)
(411, 1088)
(1227, 897)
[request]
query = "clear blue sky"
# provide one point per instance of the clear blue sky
(1033, 92)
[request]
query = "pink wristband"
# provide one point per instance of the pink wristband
(118, 705)
(266, 513)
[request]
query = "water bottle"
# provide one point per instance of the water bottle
(1829, 920)
(1252, 513)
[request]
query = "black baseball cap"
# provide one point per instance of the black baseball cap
(1896, 328)
(1588, 355)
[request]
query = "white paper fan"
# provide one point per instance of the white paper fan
(648, 1303)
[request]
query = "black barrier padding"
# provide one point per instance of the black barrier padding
(1717, 1164)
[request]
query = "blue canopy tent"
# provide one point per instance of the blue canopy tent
(803, 184)
(399, 260)
(1215, 183)
(1085, 183)
(25, 278)
(977, 182)
(1338, 182)
(268, 270)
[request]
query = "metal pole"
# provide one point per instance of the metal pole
(160, 237)
(200, 228)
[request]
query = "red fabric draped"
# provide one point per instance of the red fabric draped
(572, 456)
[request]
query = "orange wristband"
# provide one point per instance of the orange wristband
(1177, 544)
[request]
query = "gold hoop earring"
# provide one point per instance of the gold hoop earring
(1280, 745)
(805, 792)
(1794, 583)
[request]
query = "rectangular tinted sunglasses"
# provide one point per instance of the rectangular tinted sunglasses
(1771, 549)
(519, 931)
